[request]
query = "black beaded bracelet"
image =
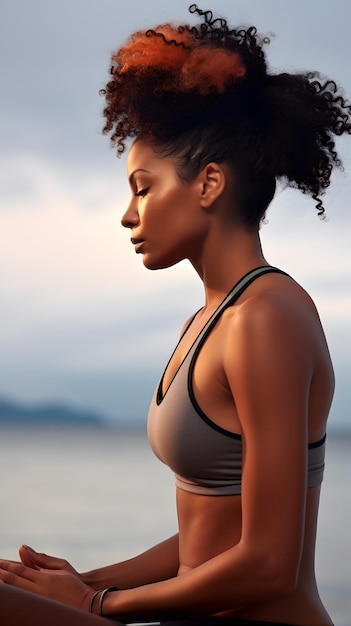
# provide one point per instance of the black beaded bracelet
(103, 593)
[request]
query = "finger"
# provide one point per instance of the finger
(17, 574)
(39, 559)
(27, 556)
(28, 548)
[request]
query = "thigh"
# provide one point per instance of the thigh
(21, 608)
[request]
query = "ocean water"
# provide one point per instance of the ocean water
(97, 496)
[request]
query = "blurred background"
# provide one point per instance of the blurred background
(82, 322)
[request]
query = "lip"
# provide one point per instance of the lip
(138, 243)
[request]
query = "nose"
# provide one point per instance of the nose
(130, 219)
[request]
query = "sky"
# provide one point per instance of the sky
(82, 321)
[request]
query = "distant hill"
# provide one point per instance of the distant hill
(13, 413)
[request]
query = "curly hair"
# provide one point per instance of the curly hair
(203, 93)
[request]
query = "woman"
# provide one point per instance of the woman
(240, 412)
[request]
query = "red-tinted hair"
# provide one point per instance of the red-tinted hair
(203, 93)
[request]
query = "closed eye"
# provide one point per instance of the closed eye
(142, 192)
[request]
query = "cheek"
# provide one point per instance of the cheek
(168, 206)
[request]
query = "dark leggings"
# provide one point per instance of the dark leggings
(210, 621)
(220, 621)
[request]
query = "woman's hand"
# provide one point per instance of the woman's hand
(56, 580)
(37, 560)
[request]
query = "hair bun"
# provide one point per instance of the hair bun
(191, 64)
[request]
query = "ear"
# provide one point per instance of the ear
(212, 182)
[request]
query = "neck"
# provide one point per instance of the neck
(224, 259)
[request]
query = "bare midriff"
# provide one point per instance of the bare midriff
(210, 525)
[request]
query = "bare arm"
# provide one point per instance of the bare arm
(156, 564)
(56, 579)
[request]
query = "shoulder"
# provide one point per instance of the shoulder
(275, 325)
(272, 305)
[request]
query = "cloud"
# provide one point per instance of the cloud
(82, 319)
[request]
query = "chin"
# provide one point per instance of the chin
(158, 264)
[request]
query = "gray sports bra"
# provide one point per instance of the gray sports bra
(206, 458)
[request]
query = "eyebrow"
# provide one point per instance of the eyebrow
(140, 169)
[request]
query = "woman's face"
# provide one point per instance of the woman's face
(165, 215)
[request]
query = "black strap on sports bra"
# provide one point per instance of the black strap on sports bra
(235, 293)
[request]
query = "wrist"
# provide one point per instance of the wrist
(103, 594)
(93, 602)
(96, 601)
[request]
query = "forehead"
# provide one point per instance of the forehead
(143, 156)
(140, 152)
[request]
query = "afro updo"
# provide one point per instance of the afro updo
(203, 93)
